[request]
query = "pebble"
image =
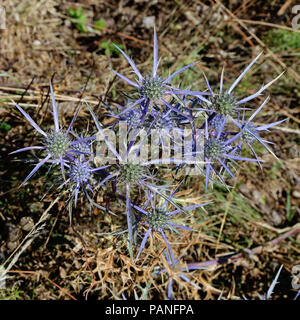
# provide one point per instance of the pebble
(14, 234)
(276, 218)
(296, 194)
(36, 43)
(257, 196)
(26, 223)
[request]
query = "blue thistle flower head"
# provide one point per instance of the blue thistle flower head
(214, 149)
(220, 151)
(80, 173)
(216, 122)
(133, 118)
(80, 177)
(225, 103)
(251, 132)
(152, 88)
(159, 219)
(82, 145)
(56, 142)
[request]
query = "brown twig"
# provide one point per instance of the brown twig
(268, 24)
(235, 257)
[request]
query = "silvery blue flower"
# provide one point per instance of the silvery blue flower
(82, 146)
(218, 150)
(152, 88)
(79, 176)
(57, 143)
(159, 219)
(251, 132)
(225, 103)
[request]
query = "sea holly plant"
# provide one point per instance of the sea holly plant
(222, 144)
(216, 119)
(132, 171)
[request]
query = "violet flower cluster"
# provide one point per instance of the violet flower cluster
(218, 119)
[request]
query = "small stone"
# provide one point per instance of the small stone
(26, 223)
(276, 218)
(14, 233)
(296, 194)
(36, 43)
(257, 196)
(62, 273)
